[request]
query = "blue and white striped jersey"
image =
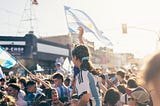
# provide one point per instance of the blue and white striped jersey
(86, 82)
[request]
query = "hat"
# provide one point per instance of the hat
(58, 63)
(140, 95)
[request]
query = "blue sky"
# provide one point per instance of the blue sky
(108, 15)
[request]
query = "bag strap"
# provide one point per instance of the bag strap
(125, 98)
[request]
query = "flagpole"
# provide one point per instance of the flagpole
(67, 21)
(24, 67)
(43, 82)
(69, 33)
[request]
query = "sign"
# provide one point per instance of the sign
(15, 50)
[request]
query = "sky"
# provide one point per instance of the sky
(142, 18)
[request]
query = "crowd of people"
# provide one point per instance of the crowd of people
(88, 86)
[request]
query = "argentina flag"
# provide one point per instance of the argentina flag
(76, 18)
(6, 60)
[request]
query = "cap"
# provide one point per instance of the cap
(58, 63)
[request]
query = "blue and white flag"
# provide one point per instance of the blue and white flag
(6, 60)
(76, 18)
(1, 73)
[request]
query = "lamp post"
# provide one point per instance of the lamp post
(125, 27)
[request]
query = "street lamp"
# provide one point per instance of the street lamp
(125, 27)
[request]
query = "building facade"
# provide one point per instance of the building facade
(33, 51)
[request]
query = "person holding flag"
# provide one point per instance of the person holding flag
(76, 18)
(85, 75)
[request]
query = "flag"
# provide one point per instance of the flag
(67, 66)
(35, 2)
(1, 73)
(6, 60)
(76, 18)
(39, 68)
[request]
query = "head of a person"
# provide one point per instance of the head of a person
(140, 97)
(54, 94)
(22, 81)
(80, 54)
(132, 83)
(31, 86)
(12, 80)
(120, 74)
(58, 65)
(57, 79)
(81, 58)
(112, 96)
(152, 70)
(13, 89)
(2, 81)
(43, 86)
(67, 81)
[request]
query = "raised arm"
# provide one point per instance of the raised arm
(80, 35)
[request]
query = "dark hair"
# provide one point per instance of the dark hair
(14, 86)
(23, 81)
(81, 51)
(112, 96)
(30, 83)
(132, 83)
(121, 73)
(58, 75)
(68, 80)
(12, 80)
(2, 79)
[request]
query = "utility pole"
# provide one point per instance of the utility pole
(28, 22)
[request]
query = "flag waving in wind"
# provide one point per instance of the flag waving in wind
(6, 60)
(76, 18)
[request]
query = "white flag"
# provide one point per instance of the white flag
(67, 66)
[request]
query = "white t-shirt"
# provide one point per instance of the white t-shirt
(88, 83)
(21, 102)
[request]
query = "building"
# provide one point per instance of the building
(71, 41)
(33, 51)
